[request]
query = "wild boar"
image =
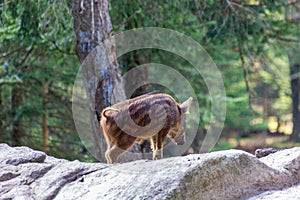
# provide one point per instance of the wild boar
(153, 116)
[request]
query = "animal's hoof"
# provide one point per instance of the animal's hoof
(157, 155)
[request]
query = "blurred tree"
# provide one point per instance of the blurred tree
(36, 39)
(17, 130)
(295, 87)
(92, 26)
(45, 128)
(1, 117)
(292, 15)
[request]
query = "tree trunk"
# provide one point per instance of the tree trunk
(133, 60)
(278, 124)
(45, 129)
(17, 131)
(295, 87)
(291, 15)
(1, 117)
(92, 26)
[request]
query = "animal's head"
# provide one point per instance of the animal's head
(177, 134)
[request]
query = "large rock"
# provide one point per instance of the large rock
(231, 174)
(290, 193)
(19, 155)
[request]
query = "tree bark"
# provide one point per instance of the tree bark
(92, 26)
(45, 129)
(295, 87)
(17, 131)
(291, 11)
(1, 117)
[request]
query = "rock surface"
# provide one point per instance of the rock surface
(232, 174)
(291, 193)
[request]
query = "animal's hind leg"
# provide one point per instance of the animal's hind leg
(107, 156)
(112, 154)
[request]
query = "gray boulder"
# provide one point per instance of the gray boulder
(232, 174)
(290, 193)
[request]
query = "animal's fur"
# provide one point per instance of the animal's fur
(154, 116)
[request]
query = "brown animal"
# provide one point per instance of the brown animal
(153, 116)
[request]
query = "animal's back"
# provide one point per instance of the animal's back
(140, 107)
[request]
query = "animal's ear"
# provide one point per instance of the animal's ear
(185, 106)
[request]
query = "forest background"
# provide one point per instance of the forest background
(254, 43)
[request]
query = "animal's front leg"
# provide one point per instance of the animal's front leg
(157, 146)
(154, 147)
(157, 154)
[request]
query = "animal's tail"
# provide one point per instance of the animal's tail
(109, 109)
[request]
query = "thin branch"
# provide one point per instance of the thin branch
(234, 4)
(230, 5)
(5, 54)
(293, 3)
(60, 50)
(35, 79)
(26, 56)
(125, 21)
(5, 3)
(197, 13)
(245, 74)
(2, 74)
(283, 38)
(225, 19)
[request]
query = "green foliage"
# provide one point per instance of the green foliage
(37, 47)
(261, 127)
(228, 30)
(240, 116)
(222, 145)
